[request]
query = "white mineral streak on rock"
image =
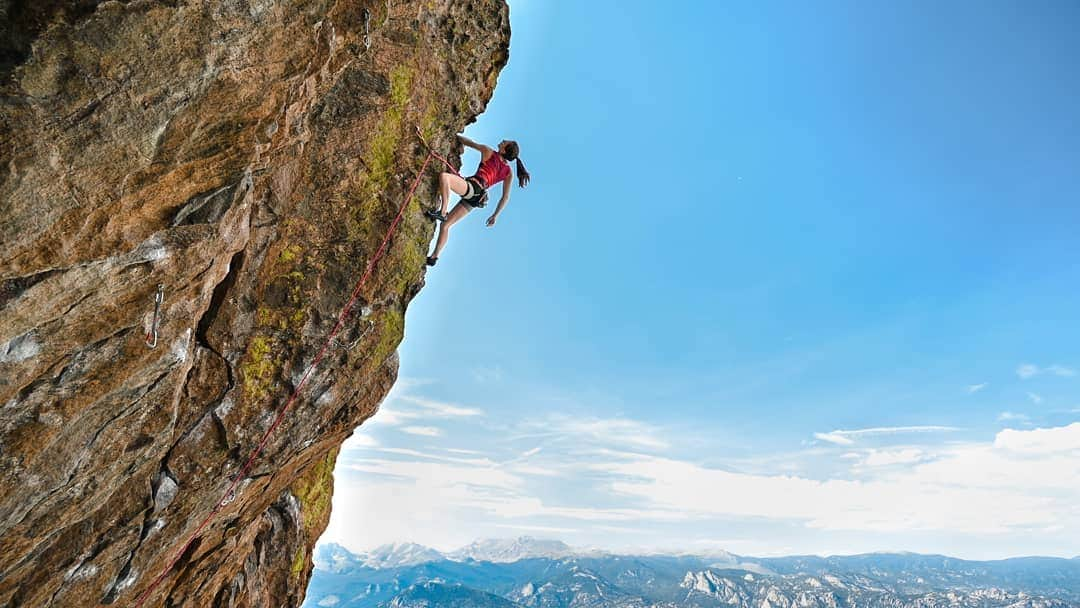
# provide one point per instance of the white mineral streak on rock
(20, 348)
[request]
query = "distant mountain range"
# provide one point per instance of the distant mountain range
(335, 558)
(532, 573)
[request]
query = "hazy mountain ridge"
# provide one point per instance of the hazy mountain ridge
(512, 550)
(598, 580)
(442, 595)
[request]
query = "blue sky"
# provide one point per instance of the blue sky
(776, 253)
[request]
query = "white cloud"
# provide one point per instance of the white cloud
(1035, 398)
(1030, 370)
(400, 409)
(597, 431)
(1027, 370)
(1012, 416)
(426, 431)
(528, 469)
(462, 451)
(848, 437)
(414, 500)
(837, 437)
(437, 457)
(1024, 480)
(391, 416)
(884, 458)
(1041, 441)
(485, 475)
(359, 440)
(1061, 370)
(528, 453)
(974, 388)
(440, 409)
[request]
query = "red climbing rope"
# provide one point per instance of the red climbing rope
(228, 497)
(432, 152)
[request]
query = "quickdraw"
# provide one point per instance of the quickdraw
(152, 335)
(367, 29)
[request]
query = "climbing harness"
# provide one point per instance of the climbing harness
(151, 336)
(230, 493)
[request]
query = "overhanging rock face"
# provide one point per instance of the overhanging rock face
(247, 156)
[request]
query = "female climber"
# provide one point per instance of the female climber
(494, 168)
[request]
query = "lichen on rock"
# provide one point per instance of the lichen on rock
(248, 156)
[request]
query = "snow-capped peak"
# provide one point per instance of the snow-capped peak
(332, 557)
(396, 555)
(511, 549)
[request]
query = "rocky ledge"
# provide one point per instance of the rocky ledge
(246, 156)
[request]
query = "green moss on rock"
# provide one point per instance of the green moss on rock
(298, 562)
(289, 254)
(314, 489)
(258, 367)
(391, 330)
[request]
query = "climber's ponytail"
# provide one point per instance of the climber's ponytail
(522, 174)
(510, 152)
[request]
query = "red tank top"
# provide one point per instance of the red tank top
(493, 170)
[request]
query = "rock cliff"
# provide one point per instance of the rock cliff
(247, 156)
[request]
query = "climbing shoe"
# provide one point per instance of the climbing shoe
(431, 261)
(435, 215)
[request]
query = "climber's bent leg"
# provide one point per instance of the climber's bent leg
(460, 211)
(449, 182)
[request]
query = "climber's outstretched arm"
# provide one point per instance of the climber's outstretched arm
(485, 151)
(502, 201)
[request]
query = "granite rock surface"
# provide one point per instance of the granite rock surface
(246, 158)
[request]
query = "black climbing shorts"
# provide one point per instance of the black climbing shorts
(476, 196)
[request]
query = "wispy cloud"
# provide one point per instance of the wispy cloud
(462, 451)
(848, 437)
(426, 431)
(884, 458)
(1023, 480)
(400, 409)
(1030, 370)
(836, 437)
(974, 388)
(1027, 370)
(1020, 480)
(390, 416)
(1012, 417)
(476, 462)
(359, 440)
(528, 469)
(440, 409)
(1035, 398)
(596, 431)
(406, 385)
